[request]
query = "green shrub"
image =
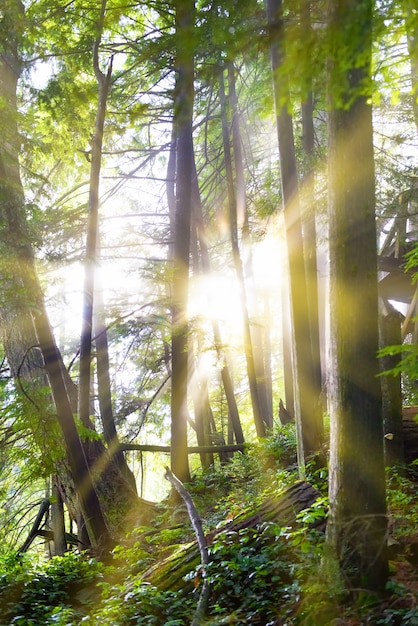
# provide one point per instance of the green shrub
(135, 602)
(252, 575)
(280, 449)
(50, 592)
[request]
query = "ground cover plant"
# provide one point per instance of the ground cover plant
(267, 573)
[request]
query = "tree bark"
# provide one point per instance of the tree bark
(309, 235)
(309, 433)
(217, 336)
(58, 522)
(258, 329)
(357, 519)
(171, 572)
(183, 115)
(201, 541)
(90, 264)
(232, 205)
(198, 379)
(23, 277)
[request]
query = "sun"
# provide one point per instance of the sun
(215, 297)
(220, 297)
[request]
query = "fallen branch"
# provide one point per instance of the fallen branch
(43, 509)
(201, 540)
(239, 447)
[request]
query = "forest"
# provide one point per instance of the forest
(208, 312)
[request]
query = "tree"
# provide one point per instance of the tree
(304, 371)
(103, 81)
(357, 520)
(238, 265)
(390, 335)
(22, 273)
(200, 234)
(183, 117)
(310, 244)
(258, 331)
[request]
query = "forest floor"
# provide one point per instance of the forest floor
(265, 531)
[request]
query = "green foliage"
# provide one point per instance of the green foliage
(406, 367)
(280, 449)
(402, 503)
(136, 602)
(409, 362)
(246, 478)
(401, 615)
(48, 593)
(262, 575)
(251, 573)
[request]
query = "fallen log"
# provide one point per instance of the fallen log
(169, 573)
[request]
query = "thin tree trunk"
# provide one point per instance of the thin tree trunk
(171, 189)
(256, 330)
(309, 438)
(288, 345)
(104, 392)
(110, 483)
(84, 384)
(267, 354)
(219, 346)
(390, 335)
(232, 204)
(198, 382)
(309, 236)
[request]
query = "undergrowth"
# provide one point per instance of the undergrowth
(269, 574)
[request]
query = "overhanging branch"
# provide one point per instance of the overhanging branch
(190, 450)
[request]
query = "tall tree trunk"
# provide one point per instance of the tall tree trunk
(90, 505)
(309, 234)
(232, 205)
(183, 117)
(257, 329)
(198, 381)
(102, 361)
(357, 521)
(309, 436)
(104, 391)
(22, 274)
(217, 336)
(103, 81)
(288, 345)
